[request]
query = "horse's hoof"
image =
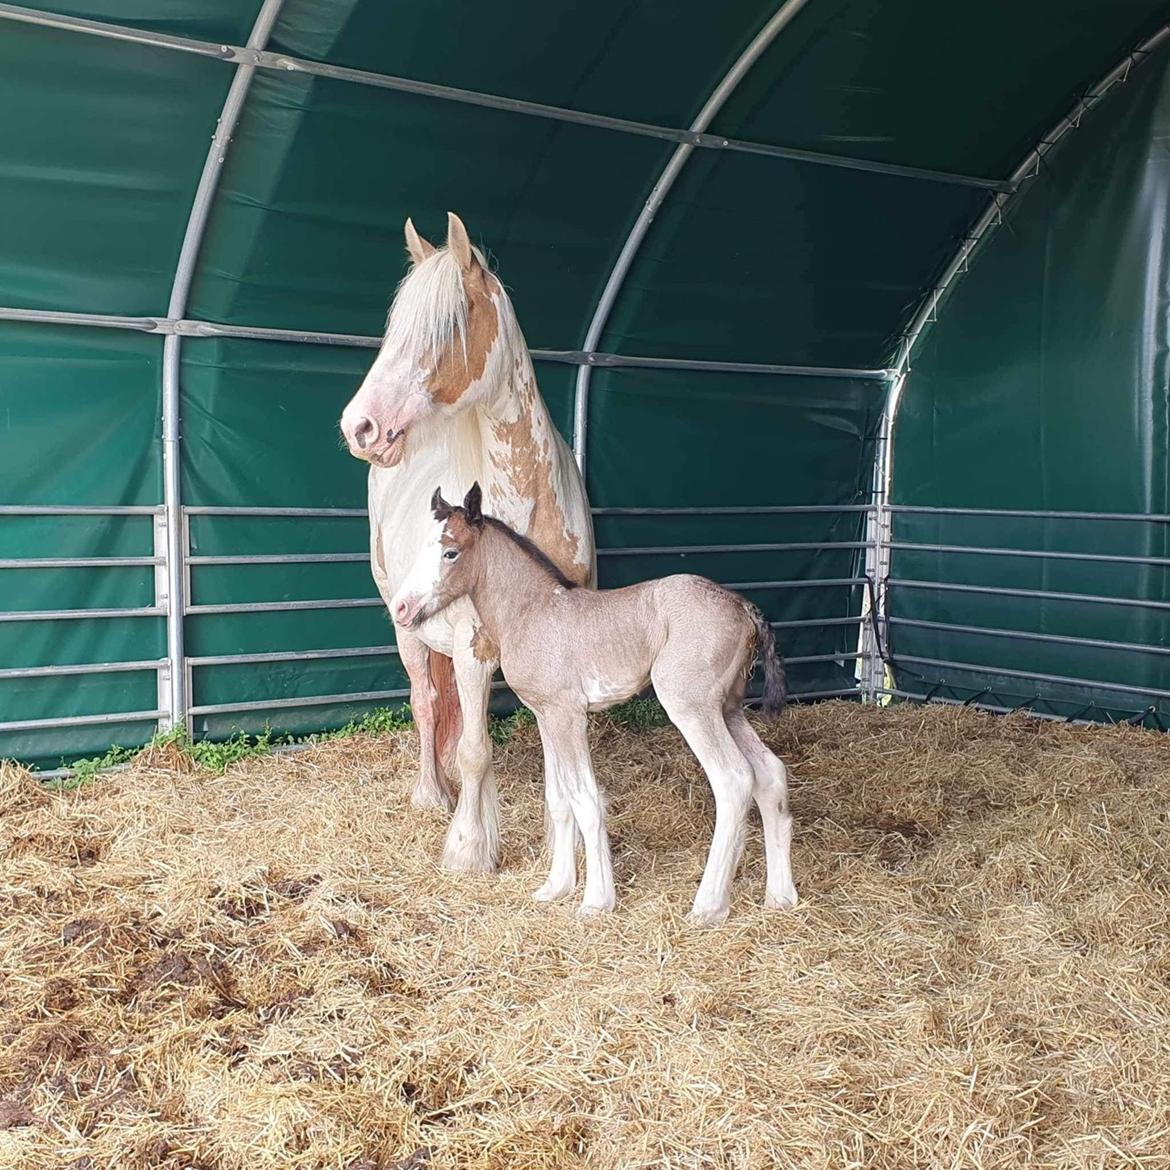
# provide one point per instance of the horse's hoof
(588, 910)
(708, 916)
(785, 901)
(429, 796)
(550, 893)
(469, 856)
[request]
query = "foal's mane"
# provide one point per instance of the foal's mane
(529, 549)
(429, 310)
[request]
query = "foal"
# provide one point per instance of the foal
(567, 650)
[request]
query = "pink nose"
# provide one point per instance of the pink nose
(361, 433)
(401, 612)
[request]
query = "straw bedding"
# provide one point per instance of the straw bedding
(267, 969)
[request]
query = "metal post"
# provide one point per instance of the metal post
(162, 601)
(875, 632)
(179, 696)
(176, 704)
(658, 194)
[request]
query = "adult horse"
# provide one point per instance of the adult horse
(451, 399)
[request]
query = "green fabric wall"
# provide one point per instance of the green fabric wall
(752, 258)
(1044, 385)
(79, 412)
(669, 439)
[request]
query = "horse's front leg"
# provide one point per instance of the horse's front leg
(473, 840)
(432, 788)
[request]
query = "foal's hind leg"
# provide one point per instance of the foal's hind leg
(731, 778)
(770, 790)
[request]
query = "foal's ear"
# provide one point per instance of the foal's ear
(458, 242)
(473, 505)
(418, 248)
(439, 506)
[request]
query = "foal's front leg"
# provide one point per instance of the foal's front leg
(562, 873)
(566, 741)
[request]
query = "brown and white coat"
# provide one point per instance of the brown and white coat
(451, 399)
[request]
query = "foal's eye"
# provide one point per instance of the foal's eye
(451, 554)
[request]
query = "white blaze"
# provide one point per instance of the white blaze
(421, 582)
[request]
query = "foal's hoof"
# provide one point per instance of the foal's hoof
(784, 901)
(550, 893)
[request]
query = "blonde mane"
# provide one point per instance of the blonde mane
(429, 310)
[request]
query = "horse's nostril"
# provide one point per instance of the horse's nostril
(364, 432)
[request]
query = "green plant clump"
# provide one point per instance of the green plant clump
(218, 755)
(639, 715)
(502, 728)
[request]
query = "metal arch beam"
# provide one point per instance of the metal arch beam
(879, 530)
(185, 327)
(176, 549)
(1020, 178)
(780, 19)
(283, 63)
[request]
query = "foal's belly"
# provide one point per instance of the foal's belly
(601, 693)
(594, 692)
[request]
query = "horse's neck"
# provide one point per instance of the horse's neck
(503, 441)
(506, 442)
(530, 479)
(508, 585)
(517, 430)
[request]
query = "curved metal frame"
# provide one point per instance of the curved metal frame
(176, 543)
(654, 201)
(1019, 180)
(880, 527)
(283, 63)
(992, 217)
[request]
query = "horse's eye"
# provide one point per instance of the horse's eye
(451, 554)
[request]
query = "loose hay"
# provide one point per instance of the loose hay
(268, 969)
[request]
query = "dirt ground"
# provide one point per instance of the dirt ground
(267, 970)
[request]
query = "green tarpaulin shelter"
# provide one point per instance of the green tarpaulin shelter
(740, 237)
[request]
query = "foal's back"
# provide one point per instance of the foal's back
(599, 647)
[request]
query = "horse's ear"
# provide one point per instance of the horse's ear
(458, 242)
(439, 506)
(473, 505)
(418, 248)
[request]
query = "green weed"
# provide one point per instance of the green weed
(219, 755)
(86, 769)
(502, 728)
(638, 714)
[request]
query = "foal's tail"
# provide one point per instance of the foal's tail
(775, 681)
